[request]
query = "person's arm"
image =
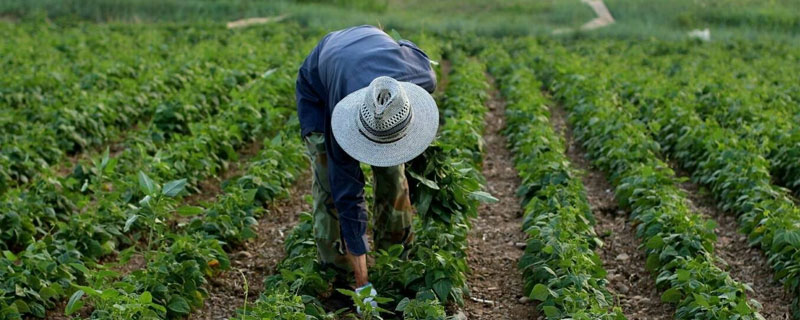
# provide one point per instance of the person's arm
(347, 189)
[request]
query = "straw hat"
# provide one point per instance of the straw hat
(387, 123)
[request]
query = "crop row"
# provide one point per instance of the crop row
(180, 259)
(446, 188)
(747, 97)
(734, 158)
(63, 225)
(733, 167)
(559, 266)
(178, 90)
(678, 242)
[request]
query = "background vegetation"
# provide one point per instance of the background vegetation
(737, 19)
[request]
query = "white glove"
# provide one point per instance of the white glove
(370, 299)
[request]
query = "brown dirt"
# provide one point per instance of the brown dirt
(256, 259)
(628, 279)
(745, 264)
(493, 250)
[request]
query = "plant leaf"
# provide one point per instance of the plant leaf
(189, 211)
(672, 295)
(483, 197)
(129, 222)
(427, 182)
(173, 188)
(74, 303)
(146, 184)
(179, 305)
(539, 292)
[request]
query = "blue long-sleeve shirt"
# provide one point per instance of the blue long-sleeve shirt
(345, 61)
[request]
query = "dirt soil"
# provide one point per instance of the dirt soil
(745, 264)
(496, 240)
(256, 260)
(625, 263)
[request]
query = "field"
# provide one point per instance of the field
(151, 165)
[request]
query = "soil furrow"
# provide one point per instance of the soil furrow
(496, 239)
(256, 259)
(625, 262)
(746, 264)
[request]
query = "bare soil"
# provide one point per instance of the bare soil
(628, 279)
(496, 240)
(745, 263)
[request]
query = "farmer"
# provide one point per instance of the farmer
(363, 97)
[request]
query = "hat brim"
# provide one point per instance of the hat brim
(423, 126)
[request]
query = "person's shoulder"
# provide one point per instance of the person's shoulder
(356, 32)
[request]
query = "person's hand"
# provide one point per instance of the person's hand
(369, 299)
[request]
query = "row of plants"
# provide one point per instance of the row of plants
(749, 96)
(733, 167)
(245, 114)
(88, 215)
(730, 125)
(446, 187)
(176, 85)
(559, 266)
(181, 258)
(749, 88)
(678, 242)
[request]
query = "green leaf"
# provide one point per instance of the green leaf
(173, 188)
(683, 275)
(189, 211)
(652, 263)
(672, 295)
(429, 183)
(80, 268)
(74, 303)
(22, 306)
(402, 305)
(539, 292)
(146, 185)
(442, 288)
(179, 305)
(146, 297)
(483, 197)
(9, 255)
(46, 293)
(701, 301)
(551, 312)
(655, 243)
(129, 222)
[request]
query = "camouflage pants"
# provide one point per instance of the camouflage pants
(392, 208)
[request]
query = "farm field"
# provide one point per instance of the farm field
(153, 169)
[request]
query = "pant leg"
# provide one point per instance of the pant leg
(392, 208)
(330, 246)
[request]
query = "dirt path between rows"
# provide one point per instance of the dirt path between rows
(493, 249)
(745, 263)
(256, 259)
(625, 263)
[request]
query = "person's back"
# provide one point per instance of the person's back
(347, 60)
(363, 97)
(351, 58)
